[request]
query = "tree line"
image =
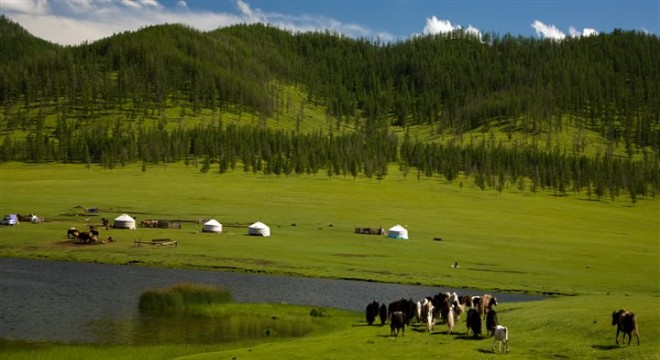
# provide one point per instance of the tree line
(220, 148)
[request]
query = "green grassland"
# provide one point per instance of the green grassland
(604, 252)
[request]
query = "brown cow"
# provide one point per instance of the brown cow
(625, 322)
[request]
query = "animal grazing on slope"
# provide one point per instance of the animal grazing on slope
(501, 338)
(397, 322)
(491, 322)
(625, 322)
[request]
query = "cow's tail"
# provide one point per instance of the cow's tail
(635, 326)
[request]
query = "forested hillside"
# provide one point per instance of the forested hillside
(112, 101)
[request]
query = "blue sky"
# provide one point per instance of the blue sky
(74, 21)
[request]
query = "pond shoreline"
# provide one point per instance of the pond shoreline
(47, 300)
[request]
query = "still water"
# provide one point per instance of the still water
(97, 303)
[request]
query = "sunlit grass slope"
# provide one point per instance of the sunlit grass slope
(502, 241)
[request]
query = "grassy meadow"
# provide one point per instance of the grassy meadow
(598, 256)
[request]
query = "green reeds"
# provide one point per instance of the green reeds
(182, 296)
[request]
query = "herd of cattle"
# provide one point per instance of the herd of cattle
(449, 307)
(85, 237)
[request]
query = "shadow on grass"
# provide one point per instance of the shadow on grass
(468, 337)
(485, 351)
(604, 347)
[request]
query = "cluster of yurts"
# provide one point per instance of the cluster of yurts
(124, 221)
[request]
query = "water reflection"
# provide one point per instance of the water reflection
(179, 328)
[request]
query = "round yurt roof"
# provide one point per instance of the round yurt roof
(259, 225)
(212, 222)
(124, 217)
(259, 229)
(397, 232)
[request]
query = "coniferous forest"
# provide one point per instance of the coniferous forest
(90, 104)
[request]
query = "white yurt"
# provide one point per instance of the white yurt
(212, 226)
(397, 232)
(124, 221)
(259, 229)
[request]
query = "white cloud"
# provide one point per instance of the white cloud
(585, 32)
(71, 22)
(438, 26)
(547, 31)
(552, 32)
(36, 7)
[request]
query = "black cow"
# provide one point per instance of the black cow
(72, 233)
(625, 322)
(474, 322)
(397, 322)
(372, 312)
(407, 307)
(84, 237)
(491, 322)
(382, 313)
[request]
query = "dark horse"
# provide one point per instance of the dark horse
(626, 323)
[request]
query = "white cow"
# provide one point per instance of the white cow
(450, 319)
(430, 320)
(501, 337)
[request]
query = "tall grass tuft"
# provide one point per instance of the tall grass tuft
(182, 296)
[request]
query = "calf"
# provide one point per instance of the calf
(501, 338)
(397, 322)
(625, 322)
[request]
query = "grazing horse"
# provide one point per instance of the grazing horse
(625, 322)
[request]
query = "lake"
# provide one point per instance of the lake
(80, 302)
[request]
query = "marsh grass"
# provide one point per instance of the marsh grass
(183, 296)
